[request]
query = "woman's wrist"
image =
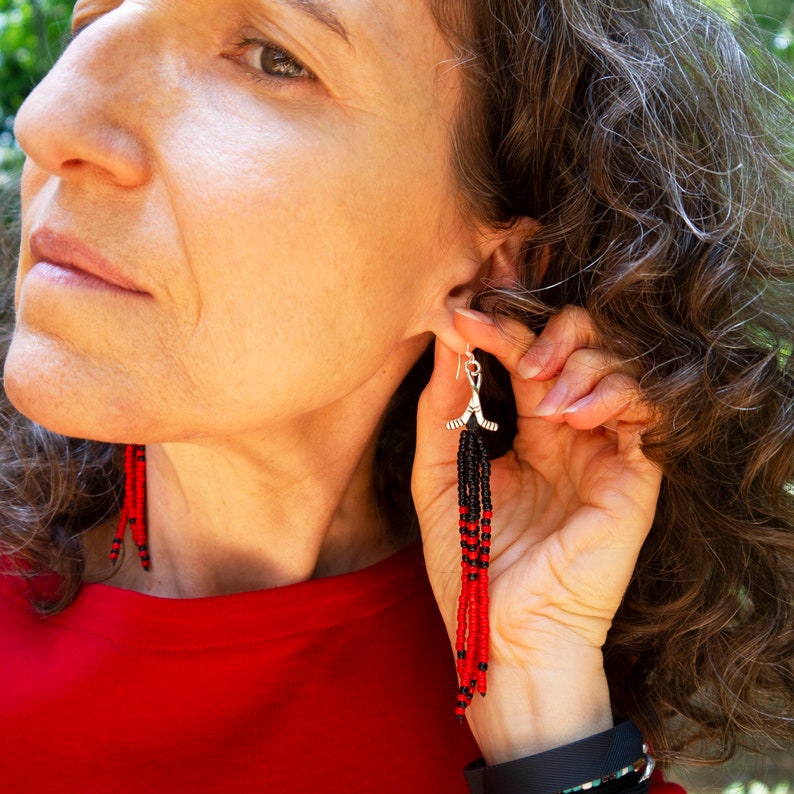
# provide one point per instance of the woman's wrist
(529, 709)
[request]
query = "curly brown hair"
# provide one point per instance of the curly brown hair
(643, 137)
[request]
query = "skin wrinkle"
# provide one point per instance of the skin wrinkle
(323, 13)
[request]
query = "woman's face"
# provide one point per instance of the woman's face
(234, 212)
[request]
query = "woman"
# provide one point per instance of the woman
(243, 224)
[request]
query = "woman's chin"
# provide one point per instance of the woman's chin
(62, 398)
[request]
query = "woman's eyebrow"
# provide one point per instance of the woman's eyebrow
(323, 13)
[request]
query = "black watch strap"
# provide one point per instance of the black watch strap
(566, 767)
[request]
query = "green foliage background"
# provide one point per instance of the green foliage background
(33, 33)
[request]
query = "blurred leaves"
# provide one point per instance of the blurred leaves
(773, 18)
(32, 34)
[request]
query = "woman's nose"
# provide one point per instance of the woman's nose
(81, 120)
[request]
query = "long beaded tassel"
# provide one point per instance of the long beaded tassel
(133, 508)
(476, 511)
(474, 524)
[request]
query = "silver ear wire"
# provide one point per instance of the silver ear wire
(468, 354)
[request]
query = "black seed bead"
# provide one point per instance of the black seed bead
(461, 654)
(472, 577)
(482, 666)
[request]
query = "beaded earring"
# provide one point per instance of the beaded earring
(133, 508)
(474, 523)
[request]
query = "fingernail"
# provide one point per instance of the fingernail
(551, 403)
(528, 369)
(478, 317)
(579, 404)
(545, 409)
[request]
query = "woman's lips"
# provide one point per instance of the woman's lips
(65, 260)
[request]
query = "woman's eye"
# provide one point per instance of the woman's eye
(272, 60)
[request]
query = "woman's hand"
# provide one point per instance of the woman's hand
(573, 502)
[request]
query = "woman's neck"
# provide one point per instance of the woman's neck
(232, 515)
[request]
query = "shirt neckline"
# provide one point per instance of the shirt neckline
(134, 619)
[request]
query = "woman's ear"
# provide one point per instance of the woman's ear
(498, 251)
(502, 249)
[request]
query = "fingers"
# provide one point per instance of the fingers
(508, 341)
(562, 375)
(564, 333)
(522, 353)
(580, 374)
(616, 397)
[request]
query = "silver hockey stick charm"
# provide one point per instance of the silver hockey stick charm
(474, 408)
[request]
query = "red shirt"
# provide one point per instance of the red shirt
(339, 684)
